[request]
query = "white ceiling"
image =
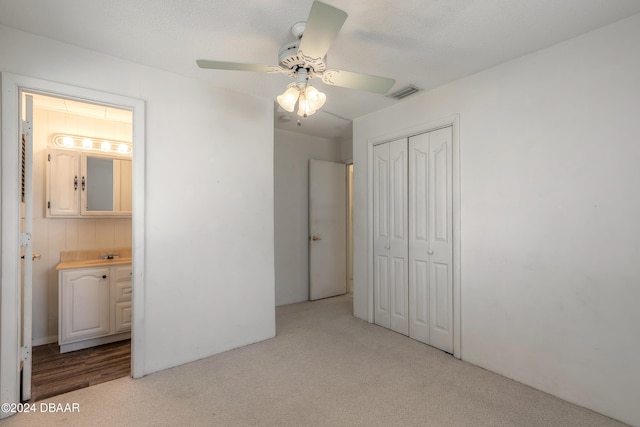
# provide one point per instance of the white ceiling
(424, 42)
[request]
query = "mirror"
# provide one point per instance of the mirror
(107, 186)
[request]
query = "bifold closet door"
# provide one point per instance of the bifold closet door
(430, 239)
(390, 244)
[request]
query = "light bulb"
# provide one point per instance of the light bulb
(289, 98)
(305, 108)
(122, 148)
(87, 143)
(106, 146)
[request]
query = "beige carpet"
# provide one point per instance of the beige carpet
(324, 368)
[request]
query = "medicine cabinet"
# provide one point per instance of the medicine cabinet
(87, 184)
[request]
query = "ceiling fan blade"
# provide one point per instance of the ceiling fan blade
(322, 27)
(237, 66)
(358, 81)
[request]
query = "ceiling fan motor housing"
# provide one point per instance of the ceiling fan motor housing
(291, 59)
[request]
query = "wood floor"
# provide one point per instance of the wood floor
(55, 373)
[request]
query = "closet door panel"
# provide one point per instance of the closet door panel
(440, 301)
(399, 297)
(441, 239)
(398, 243)
(419, 295)
(419, 298)
(381, 289)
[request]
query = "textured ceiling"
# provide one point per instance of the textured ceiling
(423, 42)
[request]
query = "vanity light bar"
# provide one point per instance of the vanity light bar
(93, 144)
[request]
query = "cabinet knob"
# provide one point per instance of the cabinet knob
(104, 276)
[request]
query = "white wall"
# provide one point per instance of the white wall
(209, 283)
(550, 148)
(53, 235)
(292, 152)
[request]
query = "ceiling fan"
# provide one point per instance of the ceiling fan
(305, 58)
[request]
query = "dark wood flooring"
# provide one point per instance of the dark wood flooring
(56, 373)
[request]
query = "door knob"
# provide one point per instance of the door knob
(430, 252)
(314, 238)
(35, 256)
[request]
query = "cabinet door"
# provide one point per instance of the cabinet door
(122, 283)
(121, 298)
(84, 304)
(63, 183)
(122, 317)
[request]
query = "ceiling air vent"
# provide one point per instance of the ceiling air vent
(404, 92)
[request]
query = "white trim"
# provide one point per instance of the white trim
(12, 85)
(9, 234)
(44, 340)
(454, 122)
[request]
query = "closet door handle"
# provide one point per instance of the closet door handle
(83, 183)
(75, 182)
(430, 252)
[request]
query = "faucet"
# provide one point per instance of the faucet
(110, 255)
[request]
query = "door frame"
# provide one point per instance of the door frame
(454, 122)
(12, 86)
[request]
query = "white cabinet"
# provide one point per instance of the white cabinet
(84, 304)
(94, 306)
(121, 297)
(63, 183)
(87, 184)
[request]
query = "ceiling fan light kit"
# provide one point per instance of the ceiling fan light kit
(308, 98)
(305, 58)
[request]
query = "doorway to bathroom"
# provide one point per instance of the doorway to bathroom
(81, 211)
(93, 129)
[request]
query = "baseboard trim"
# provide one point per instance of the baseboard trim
(44, 340)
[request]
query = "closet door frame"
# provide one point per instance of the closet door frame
(406, 133)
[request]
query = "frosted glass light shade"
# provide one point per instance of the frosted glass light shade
(289, 98)
(315, 98)
(308, 98)
(304, 110)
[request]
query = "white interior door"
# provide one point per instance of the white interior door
(419, 238)
(412, 237)
(327, 229)
(440, 214)
(398, 245)
(381, 246)
(26, 225)
(390, 236)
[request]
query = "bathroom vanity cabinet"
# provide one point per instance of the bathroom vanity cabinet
(94, 304)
